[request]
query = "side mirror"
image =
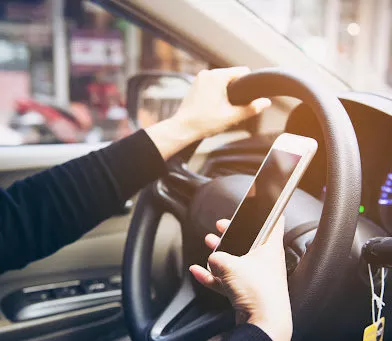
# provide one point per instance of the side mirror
(155, 96)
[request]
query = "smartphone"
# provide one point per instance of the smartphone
(268, 194)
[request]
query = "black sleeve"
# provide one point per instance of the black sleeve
(248, 332)
(53, 208)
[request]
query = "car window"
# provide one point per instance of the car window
(63, 71)
(350, 38)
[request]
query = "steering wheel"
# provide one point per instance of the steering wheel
(197, 202)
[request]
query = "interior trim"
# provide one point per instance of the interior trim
(50, 286)
(376, 101)
(43, 156)
(64, 305)
(38, 328)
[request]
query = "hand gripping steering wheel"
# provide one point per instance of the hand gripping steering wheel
(197, 201)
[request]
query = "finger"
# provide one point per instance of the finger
(204, 277)
(222, 225)
(221, 263)
(258, 105)
(212, 241)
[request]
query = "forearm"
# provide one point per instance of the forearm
(53, 208)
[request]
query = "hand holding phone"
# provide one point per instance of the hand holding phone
(255, 284)
(268, 194)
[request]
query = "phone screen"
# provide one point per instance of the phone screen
(258, 203)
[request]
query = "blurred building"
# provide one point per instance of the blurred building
(73, 52)
(76, 57)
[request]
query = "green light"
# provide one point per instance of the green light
(361, 209)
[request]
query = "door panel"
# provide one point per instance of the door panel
(96, 256)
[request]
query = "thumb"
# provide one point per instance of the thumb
(258, 105)
(221, 263)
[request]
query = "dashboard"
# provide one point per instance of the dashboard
(371, 116)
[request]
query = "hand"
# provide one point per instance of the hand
(255, 284)
(204, 111)
(206, 108)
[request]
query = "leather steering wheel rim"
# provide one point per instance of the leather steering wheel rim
(321, 268)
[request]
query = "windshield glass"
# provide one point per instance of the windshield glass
(351, 38)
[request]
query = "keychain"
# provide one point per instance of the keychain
(375, 331)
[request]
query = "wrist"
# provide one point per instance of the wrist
(171, 135)
(276, 331)
(184, 127)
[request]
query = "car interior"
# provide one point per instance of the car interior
(128, 278)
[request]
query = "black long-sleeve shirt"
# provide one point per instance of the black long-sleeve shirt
(51, 209)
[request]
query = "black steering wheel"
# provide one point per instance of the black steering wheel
(197, 202)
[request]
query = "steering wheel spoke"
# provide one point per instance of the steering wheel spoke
(185, 318)
(180, 304)
(176, 190)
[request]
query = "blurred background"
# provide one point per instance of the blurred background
(64, 64)
(64, 67)
(350, 38)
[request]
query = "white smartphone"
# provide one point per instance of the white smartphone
(268, 194)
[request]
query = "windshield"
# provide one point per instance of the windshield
(350, 38)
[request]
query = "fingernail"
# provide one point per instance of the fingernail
(261, 103)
